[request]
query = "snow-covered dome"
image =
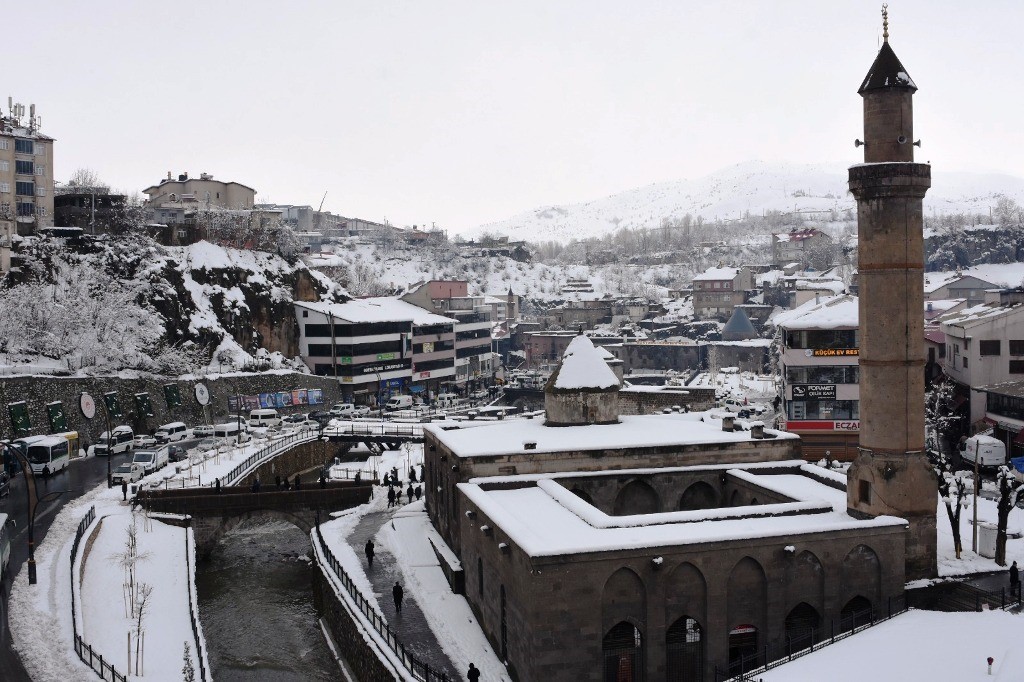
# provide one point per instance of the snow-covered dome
(583, 389)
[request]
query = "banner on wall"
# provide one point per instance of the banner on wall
(173, 396)
(299, 397)
(55, 414)
(18, 413)
(113, 405)
(143, 405)
(315, 396)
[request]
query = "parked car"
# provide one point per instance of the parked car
(321, 417)
(202, 431)
(122, 440)
(176, 453)
(361, 411)
(127, 473)
(143, 440)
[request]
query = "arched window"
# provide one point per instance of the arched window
(582, 494)
(857, 612)
(684, 648)
(734, 499)
(623, 652)
(637, 497)
(700, 495)
(802, 625)
(743, 652)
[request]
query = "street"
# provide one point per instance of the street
(81, 476)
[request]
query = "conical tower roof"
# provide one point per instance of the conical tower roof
(738, 327)
(887, 72)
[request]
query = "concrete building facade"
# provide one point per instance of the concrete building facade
(26, 178)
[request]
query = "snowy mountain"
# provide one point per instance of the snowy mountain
(819, 191)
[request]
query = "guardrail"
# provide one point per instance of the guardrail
(200, 654)
(267, 451)
(380, 430)
(767, 658)
(83, 649)
(417, 668)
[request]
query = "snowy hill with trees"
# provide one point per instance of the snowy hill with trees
(753, 188)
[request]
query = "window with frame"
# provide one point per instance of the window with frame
(40, 211)
(1016, 346)
(4, 145)
(965, 362)
(40, 170)
(26, 209)
(25, 189)
(24, 146)
(23, 167)
(5, 187)
(5, 166)
(989, 347)
(1016, 366)
(40, 191)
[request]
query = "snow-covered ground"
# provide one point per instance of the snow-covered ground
(918, 645)
(970, 562)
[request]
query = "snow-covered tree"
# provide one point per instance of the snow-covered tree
(953, 493)
(1011, 491)
(940, 411)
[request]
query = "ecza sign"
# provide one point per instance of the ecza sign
(814, 391)
(847, 426)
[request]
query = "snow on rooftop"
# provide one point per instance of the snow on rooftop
(980, 314)
(833, 312)
(637, 431)
(717, 274)
(542, 525)
(584, 366)
(379, 309)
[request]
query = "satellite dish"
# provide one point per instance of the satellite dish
(202, 395)
(87, 405)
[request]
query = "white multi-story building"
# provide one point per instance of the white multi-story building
(820, 375)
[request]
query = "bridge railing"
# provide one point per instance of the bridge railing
(193, 606)
(83, 649)
(335, 496)
(271, 449)
(419, 669)
(376, 430)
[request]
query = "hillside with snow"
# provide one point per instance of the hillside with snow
(816, 192)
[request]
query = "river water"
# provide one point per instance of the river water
(256, 606)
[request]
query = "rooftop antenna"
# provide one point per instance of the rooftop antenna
(885, 23)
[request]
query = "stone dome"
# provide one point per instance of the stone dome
(583, 389)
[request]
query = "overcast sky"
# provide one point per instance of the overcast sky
(462, 113)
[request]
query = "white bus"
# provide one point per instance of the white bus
(49, 455)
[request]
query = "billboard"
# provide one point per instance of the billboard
(57, 418)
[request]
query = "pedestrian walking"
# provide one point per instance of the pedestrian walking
(277, 481)
(323, 480)
(217, 486)
(408, 493)
(394, 475)
(359, 478)
(124, 494)
(369, 553)
(391, 496)
(256, 486)
(419, 491)
(474, 673)
(1014, 578)
(398, 593)
(412, 474)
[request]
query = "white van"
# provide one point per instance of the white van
(231, 429)
(152, 459)
(444, 400)
(168, 433)
(122, 440)
(399, 402)
(986, 451)
(343, 410)
(258, 418)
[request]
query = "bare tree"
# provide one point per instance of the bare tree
(1011, 491)
(953, 493)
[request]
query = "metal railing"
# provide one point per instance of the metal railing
(192, 608)
(961, 597)
(419, 669)
(380, 430)
(83, 649)
(267, 451)
(766, 658)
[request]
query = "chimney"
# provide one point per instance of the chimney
(169, 175)
(728, 423)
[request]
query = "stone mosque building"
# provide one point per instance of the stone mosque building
(598, 546)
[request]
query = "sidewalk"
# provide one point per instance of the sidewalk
(411, 625)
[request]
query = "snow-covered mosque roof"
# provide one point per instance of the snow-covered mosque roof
(583, 367)
(544, 518)
(632, 432)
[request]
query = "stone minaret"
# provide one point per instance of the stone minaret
(891, 475)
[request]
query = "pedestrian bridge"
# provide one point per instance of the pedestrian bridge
(391, 435)
(213, 514)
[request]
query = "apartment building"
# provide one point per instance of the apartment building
(377, 347)
(26, 177)
(820, 375)
(716, 291)
(797, 246)
(984, 348)
(196, 193)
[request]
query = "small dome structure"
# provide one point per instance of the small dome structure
(583, 389)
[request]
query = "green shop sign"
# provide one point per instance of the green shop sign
(58, 420)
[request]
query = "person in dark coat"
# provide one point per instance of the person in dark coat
(391, 496)
(359, 478)
(419, 491)
(1014, 578)
(217, 486)
(277, 481)
(474, 673)
(298, 482)
(398, 593)
(256, 486)
(412, 474)
(124, 494)
(408, 493)
(323, 480)
(369, 553)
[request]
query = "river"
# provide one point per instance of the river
(256, 606)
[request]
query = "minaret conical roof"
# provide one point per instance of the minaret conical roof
(886, 72)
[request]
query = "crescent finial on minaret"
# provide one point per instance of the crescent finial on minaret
(885, 22)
